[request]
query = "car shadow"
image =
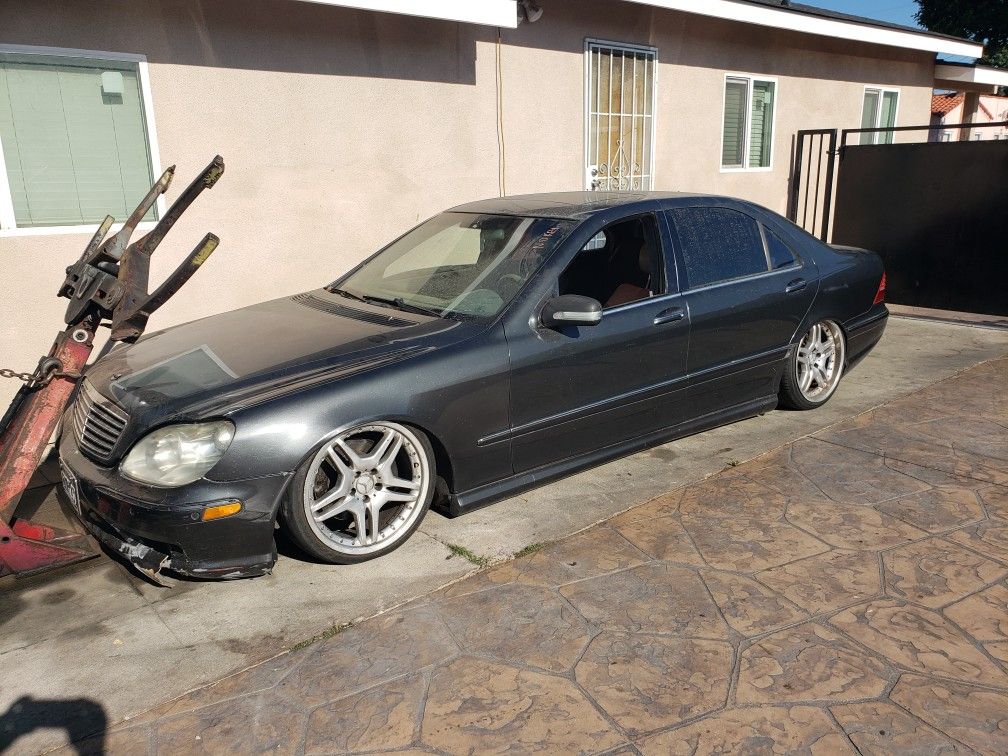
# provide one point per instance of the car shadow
(287, 548)
(83, 719)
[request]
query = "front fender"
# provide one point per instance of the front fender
(456, 394)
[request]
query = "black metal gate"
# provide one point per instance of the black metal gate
(934, 211)
(810, 196)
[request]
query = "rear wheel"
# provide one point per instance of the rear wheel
(362, 494)
(814, 367)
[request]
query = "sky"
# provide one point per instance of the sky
(895, 11)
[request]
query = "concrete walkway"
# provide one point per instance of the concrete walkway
(95, 645)
(847, 591)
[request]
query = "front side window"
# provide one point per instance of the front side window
(74, 140)
(718, 244)
(879, 111)
(621, 264)
(747, 131)
(456, 265)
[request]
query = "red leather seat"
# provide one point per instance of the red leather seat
(629, 292)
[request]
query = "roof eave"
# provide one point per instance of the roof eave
(971, 78)
(736, 10)
(487, 12)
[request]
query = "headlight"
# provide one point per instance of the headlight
(178, 454)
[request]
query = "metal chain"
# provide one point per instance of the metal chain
(23, 377)
(43, 376)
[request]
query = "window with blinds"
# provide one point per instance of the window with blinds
(748, 128)
(878, 111)
(74, 140)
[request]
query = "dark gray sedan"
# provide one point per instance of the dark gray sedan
(495, 347)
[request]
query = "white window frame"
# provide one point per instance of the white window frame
(744, 168)
(629, 47)
(882, 90)
(8, 225)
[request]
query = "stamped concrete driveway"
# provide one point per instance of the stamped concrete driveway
(845, 592)
(94, 645)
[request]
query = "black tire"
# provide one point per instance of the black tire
(791, 394)
(294, 519)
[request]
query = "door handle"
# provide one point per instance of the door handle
(670, 315)
(797, 285)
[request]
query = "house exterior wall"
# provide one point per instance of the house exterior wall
(341, 128)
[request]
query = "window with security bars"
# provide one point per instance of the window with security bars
(620, 116)
(878, 111)
(748, 128)
(74, 140)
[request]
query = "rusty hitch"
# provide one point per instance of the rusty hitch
(107, 286)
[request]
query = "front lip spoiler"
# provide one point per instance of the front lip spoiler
(146, 559)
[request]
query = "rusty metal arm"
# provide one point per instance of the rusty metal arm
(130, 314)
(108, 282)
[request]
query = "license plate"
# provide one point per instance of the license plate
(70, 488)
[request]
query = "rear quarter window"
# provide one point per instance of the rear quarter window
(718, 244)
(780, 254)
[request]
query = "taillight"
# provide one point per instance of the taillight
(880, 294)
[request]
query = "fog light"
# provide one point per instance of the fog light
(221, 510)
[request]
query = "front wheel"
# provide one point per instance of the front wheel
(362, 494)
(814, 368)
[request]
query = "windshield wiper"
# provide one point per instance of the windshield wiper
(401, 304)
(345, 293)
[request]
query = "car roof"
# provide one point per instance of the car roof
(569, 205)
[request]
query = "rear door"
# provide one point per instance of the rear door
(747, 292)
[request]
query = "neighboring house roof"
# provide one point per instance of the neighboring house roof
(943, 104)
(780, 14)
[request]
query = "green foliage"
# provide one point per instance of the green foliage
(984, 21)
(334, 630)
(461, 551)
(532, 548)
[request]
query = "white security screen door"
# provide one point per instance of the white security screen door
(619, 116)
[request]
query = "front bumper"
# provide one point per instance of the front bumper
(161, 529)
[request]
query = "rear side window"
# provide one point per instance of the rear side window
(779, 253)
(718, 244)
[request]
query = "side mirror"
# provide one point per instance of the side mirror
(571, 310)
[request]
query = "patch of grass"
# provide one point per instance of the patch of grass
(733, 463)
(334, 630)
(462, 551)
(532, 548)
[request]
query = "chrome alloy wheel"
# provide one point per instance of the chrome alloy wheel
(820, 361)
(366, 487)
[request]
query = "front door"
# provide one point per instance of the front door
(580, 389)
(619, 116)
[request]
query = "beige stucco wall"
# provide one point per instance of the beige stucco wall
(343, 128)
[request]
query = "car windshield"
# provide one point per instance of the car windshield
(456, 265)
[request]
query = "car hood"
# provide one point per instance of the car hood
(226, 361)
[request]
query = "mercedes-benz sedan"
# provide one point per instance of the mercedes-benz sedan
(494, 347)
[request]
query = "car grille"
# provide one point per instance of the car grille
(98, 424)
